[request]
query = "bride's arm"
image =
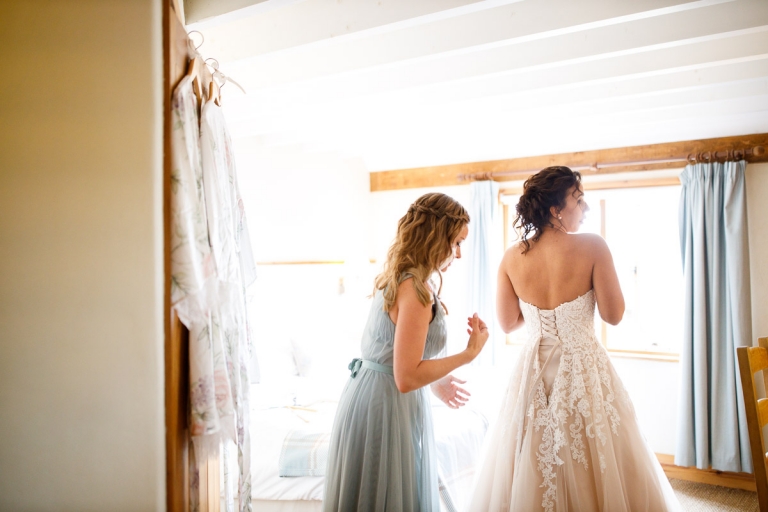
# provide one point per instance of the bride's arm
(605, 282)
(507, 303)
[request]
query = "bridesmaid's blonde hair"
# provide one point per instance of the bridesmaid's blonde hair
(422, 244)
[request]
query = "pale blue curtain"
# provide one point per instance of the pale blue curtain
(712, 428)
(484, 254)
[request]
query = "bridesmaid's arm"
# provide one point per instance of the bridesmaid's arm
(449, 392)
(410, 370)
(507, 303)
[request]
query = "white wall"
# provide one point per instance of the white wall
(306, 207)
(757, 218)
(654, 387)
(303, 206)
(81, 256)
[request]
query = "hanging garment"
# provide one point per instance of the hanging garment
(192, 265)
(567, 436)
(382, 453)
(230, 341)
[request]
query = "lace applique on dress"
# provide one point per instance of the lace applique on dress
(581, 400)
(567, 437)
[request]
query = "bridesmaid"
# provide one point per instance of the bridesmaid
(382, 452)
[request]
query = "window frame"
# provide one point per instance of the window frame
(614, 184)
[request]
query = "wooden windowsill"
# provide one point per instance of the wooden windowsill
(669, 357)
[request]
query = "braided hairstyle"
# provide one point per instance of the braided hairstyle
(422, 244)
(545, 189)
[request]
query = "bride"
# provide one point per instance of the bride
(567, 437)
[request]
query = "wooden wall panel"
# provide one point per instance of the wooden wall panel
(608, 185)
(744, 481)
(176, 340)
(177, 53)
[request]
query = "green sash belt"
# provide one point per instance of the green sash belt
(356, 364)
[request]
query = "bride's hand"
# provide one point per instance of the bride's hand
(452, 395)
(478, 335)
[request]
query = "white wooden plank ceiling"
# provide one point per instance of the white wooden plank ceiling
(408, 83)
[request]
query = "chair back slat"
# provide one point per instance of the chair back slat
(758, 359)
(751, 361)
(762, 411)
(763, 342)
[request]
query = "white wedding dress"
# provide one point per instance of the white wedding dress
(567, 437)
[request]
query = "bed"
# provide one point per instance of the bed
(458, 434)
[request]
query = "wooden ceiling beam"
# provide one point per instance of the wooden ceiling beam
(516, 169)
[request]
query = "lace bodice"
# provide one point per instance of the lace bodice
(571, 322)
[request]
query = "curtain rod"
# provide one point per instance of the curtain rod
(693, 158)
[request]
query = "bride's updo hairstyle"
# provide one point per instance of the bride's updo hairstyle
(422, 244)
(545, 189)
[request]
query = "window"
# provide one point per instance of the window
(640, 226)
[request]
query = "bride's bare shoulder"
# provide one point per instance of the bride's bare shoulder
(514, 251)
(588, 237)
(590, 241)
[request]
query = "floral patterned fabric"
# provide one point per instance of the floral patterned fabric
(192, 264)
(227, 232)
(193, 269)
(208, 264)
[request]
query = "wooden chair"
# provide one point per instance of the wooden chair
(751, 361)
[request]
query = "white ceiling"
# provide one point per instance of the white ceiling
(408, 83)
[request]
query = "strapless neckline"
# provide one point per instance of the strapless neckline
(588, 292)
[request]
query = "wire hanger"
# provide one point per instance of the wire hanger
(219, 78)
(202, 39)
(194, 70)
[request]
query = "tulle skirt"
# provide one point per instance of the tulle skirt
(382, 451)
(567, 439)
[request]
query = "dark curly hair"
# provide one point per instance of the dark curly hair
(543, 190)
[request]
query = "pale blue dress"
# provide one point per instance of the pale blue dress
(382, 453)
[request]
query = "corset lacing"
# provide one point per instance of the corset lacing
(548, 324)
(548, 336)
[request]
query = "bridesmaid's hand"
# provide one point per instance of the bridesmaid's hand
(452, 395)
(478, 335)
